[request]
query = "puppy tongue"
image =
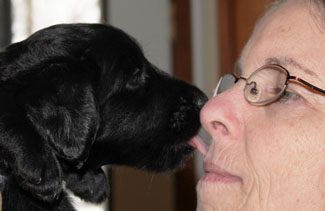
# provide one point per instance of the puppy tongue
(198, 144)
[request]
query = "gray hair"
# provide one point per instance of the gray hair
(316, 8)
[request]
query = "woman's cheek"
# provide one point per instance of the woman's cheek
(216, 196)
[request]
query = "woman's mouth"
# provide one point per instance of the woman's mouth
(213, 173)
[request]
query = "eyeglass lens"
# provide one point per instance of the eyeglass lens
(263, 86)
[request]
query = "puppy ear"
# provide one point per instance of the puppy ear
(60, 104)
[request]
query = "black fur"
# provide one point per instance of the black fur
(75, 97)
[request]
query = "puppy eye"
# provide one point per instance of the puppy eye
(137, 80)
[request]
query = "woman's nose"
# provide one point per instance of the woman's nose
(222, 115)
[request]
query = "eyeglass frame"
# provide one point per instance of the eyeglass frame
(278, 96)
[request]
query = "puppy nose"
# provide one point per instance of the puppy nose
(199, 96)
(201, 100)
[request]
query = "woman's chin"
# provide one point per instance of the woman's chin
(214, 196)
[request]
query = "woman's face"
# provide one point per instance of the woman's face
(270, 157)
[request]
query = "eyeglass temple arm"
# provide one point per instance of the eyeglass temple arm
(322, 91)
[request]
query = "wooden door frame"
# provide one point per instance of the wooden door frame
(236, 23)
(227, 35)
(185, 181)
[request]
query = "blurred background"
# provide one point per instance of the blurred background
(195, 40)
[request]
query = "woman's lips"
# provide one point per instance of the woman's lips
(214, 173)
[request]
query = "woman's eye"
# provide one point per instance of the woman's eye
(288, 96)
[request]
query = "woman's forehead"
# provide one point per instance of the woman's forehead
(290, 34)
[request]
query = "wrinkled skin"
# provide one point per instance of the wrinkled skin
(277, 151)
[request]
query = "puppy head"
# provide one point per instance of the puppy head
(92, 95)
(147, 117)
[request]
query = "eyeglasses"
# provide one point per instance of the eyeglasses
(265, 85)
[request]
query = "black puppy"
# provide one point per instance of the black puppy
(74, 97)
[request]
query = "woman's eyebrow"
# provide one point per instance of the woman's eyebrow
(288, 61)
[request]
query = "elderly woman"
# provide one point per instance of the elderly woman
(267, 120)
